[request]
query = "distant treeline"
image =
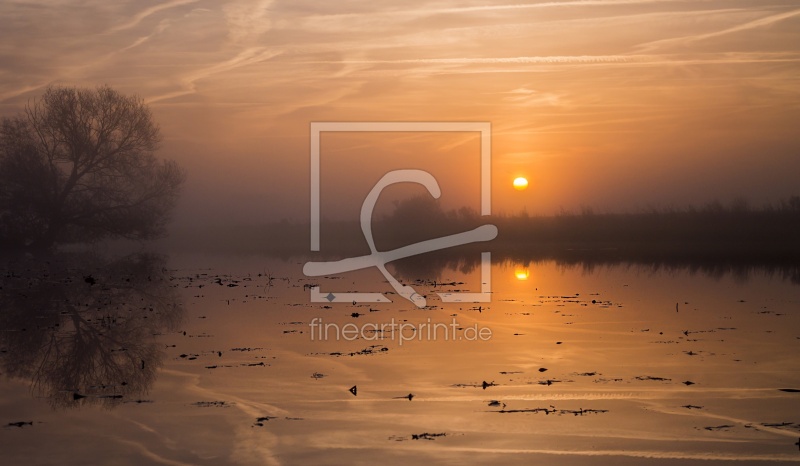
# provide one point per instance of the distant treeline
(713, 230)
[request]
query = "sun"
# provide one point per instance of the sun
(521, 273)
(520, 183)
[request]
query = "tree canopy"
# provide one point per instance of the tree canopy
(79, 165)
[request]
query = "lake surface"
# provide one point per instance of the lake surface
(203, 359)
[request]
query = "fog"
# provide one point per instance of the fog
(637, 301)
(618, 107)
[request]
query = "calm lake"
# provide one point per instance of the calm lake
(220, 360)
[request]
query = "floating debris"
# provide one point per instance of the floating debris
(778, 424)
(261, 420)
(714, 428)
(427, 436)
(482, 385)
(20, 424)
(374, 349)
(649, 377)
(548, 382)
(552, 410)
(581, 411)
(605, 380)
(212, 404)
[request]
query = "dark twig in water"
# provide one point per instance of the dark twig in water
(426, 436)
(20, 424)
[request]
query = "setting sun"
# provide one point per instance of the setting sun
(337, 173)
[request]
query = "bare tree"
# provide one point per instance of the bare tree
(80, 165)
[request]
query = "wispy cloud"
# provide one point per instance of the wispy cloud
(247, 20)
(573, 3)
(136, 19)
(530, 97)
(580, 59)
(520, 6)
(595, 68)
(626, 60)
(685, 40)
(246, 57)
(162, 26)
(20, 91)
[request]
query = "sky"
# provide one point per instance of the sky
(616, 105)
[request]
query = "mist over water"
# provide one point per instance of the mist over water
(671, 361)
(164, 166)
(664, 336)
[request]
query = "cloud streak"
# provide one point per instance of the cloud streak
(247, 20)
(625, 60)
(686, 40)
(139, 17)
(244, 58)
(521, 6)
(585, 72)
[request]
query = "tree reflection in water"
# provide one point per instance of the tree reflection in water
(82, 328)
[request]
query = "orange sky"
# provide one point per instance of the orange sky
(613, 104)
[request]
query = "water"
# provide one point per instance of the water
(194, 359)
